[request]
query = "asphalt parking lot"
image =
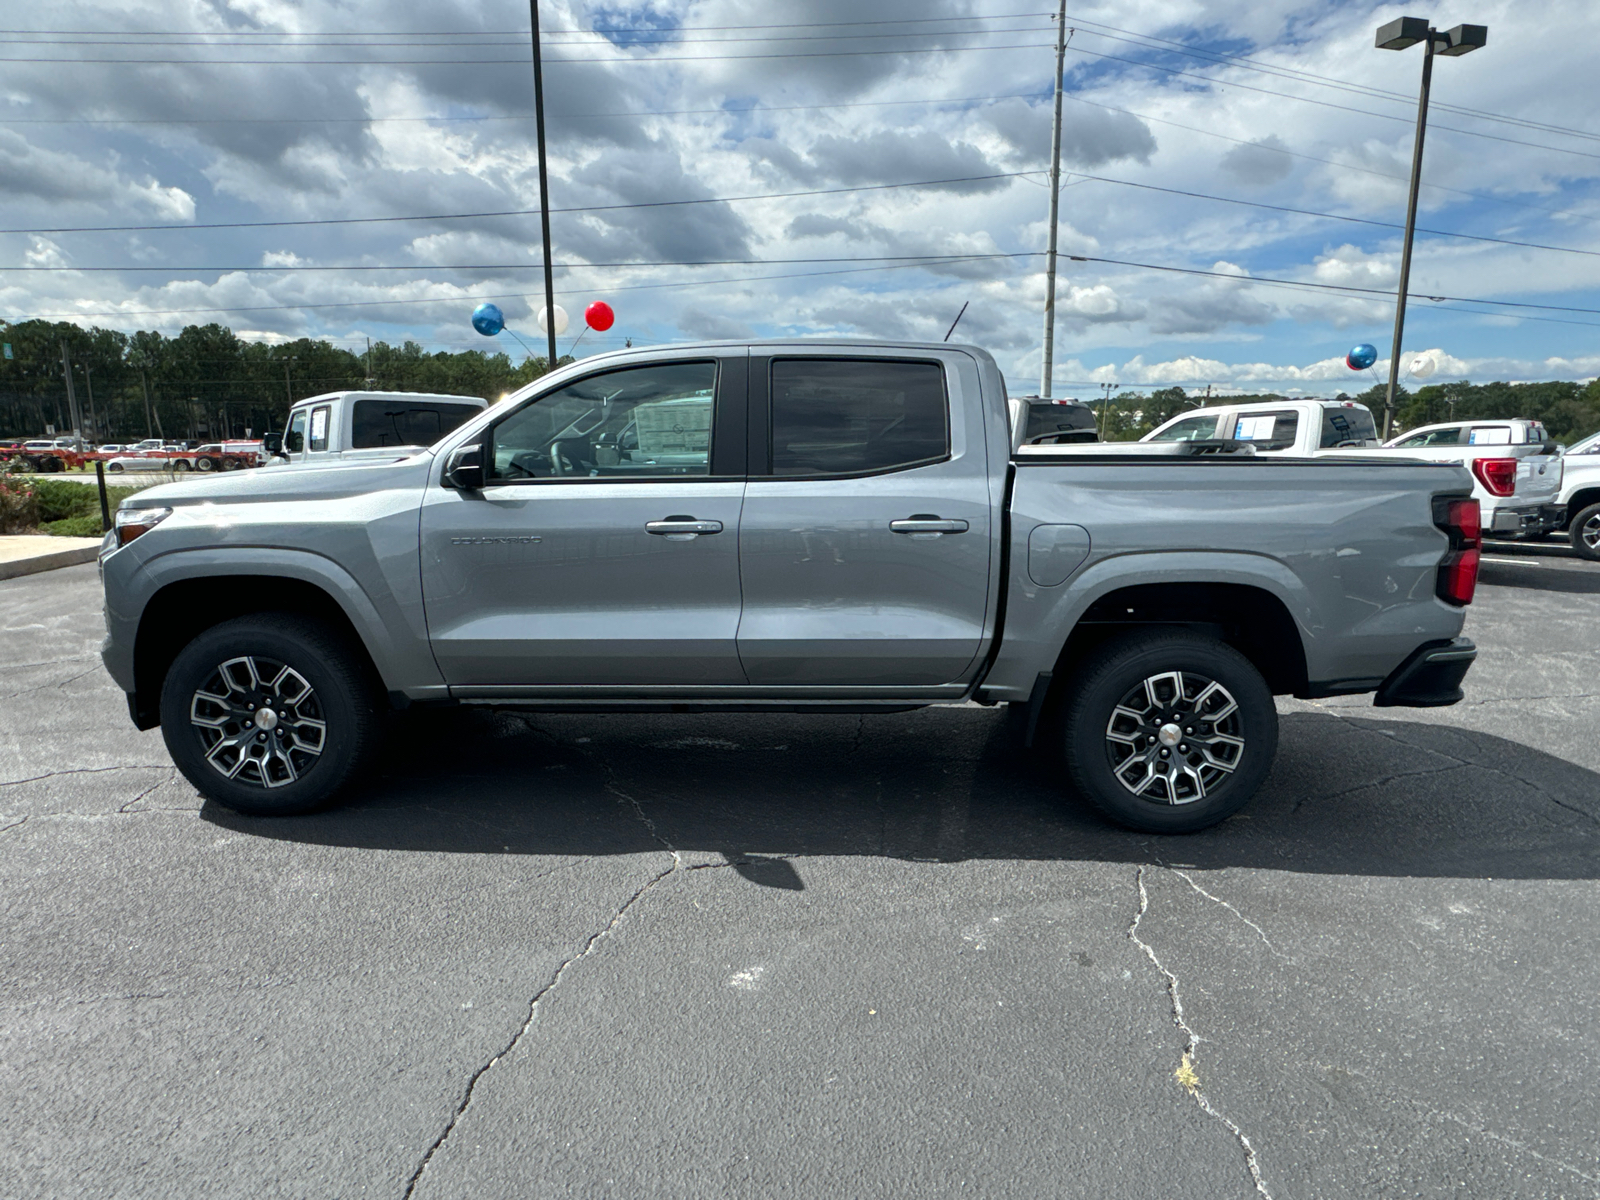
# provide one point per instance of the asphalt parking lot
(809, 956)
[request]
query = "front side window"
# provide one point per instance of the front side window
(319, 428)
(1190, 429)
(375, 423)
(856, 416)
(637, 423)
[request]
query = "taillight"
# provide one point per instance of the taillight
(1498, 475)
(1462, 521)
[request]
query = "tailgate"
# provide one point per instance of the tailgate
(1538, 479)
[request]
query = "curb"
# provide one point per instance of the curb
(71, 557)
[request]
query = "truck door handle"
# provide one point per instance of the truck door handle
(925, 523)
(682, 529)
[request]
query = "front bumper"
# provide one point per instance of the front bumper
(1525, 522)
(1430, 677)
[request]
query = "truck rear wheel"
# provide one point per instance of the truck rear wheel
(271, 714)
(1585, 533)
(1168, 732)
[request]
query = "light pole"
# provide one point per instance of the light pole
(544, 187)
(1398, 35)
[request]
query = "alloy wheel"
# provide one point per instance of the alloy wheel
(259, 722)
(1174, 737)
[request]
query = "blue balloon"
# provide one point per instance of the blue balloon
(488, 320)
(1359, 359)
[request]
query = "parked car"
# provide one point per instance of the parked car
(376, 426)
(1580, 496)
(811, 526)
(1517, 467)
(146, 462)
(1517, 475)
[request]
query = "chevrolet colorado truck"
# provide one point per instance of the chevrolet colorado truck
(809, 526)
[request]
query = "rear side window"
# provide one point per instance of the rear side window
(377, 423)
(1490, 435)
(855, 416)
(1269, 431)
(1189, 429)
(1347, 427)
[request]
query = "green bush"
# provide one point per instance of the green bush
(59, 499)
(73, 527)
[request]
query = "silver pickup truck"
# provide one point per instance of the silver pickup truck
(799, 526)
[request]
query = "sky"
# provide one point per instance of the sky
(828, 168)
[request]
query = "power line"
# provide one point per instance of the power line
(1365, 112)
(515, 212)
(522, 62)
(465, 299)
(1307, 212)
(499, 41)
(1296, 75)
(503, 266)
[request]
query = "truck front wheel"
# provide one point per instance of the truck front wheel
(270, 715)
(1168, 732)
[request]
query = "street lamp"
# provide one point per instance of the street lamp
(1397, 35)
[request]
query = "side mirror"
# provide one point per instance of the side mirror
(272, 443)
(294, 441)
(463, 470)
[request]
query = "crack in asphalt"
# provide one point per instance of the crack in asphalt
(41, 687)
(1455, 765)
(1260, 933)
(1186, 1073)
(589, 947)
(85, 771)
(20, 821)
(533, 1012)
(158, 784)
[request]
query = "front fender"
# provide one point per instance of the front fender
(404, 665)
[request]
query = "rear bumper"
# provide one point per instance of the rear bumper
(1540, 518)
(1430, 677)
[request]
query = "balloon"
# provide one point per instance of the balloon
(1361, 357)
(1424, 365)
(488, 320)
(561, 320)
(599, 317)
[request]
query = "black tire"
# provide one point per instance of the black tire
(1584, 531)
(1191, 788)
(115, 466)
(270, 765)
(203, 464)
(180, 464)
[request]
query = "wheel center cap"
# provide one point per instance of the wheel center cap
(267, 719)
(1169, 734)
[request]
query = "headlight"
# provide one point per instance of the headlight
(132, 522)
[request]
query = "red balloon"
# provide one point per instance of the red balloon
(599, 316)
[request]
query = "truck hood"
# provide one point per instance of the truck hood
(332, 482)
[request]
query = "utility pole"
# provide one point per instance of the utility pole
(94, 417)
(1047, 362)
(72, 397)
(544, 188)
(1105, 403)
(287, 390)
(145, 385)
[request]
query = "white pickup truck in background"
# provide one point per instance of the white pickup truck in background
(1580, 496)
(367, 425)
(1516, 471)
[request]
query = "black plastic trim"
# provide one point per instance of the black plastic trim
(1430, 677)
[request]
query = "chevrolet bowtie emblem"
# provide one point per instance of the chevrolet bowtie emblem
(524, 539)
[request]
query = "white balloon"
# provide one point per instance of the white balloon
(561, 320)
(1423, 365)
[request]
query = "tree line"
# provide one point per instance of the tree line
(208, 383)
